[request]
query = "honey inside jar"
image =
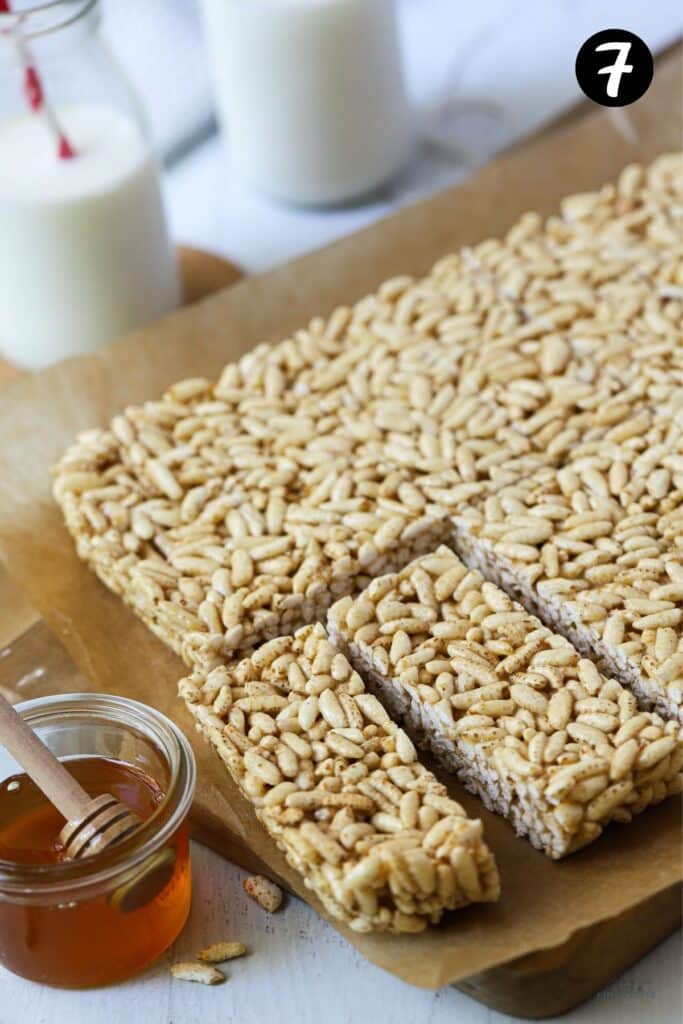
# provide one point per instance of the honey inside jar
(29, 824)
(69, 928)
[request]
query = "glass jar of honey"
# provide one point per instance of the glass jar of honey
(103, 918)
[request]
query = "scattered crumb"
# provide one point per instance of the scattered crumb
(192, 970)
(221, 951)
(265, 892)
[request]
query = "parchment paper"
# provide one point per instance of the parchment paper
(543, 903)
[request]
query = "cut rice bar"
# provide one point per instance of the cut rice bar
(526, 723)
(338, 786)
(596, 551)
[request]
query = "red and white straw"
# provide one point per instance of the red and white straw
(34, 93)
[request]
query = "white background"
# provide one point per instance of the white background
(517, 56)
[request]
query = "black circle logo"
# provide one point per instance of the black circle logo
(614, 67)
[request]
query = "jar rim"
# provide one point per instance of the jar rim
(17, 880)
(21, 20)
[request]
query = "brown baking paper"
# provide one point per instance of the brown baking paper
(543, 903)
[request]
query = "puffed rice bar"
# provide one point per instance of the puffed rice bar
(595, 549)
(526, 723)
(229, 512)
(339, 788)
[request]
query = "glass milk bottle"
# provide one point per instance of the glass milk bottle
(84, 249)
(310, 94)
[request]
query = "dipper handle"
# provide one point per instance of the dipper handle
(92, 824)
(40, 764)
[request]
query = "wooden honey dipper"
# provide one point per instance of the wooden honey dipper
(92, 824)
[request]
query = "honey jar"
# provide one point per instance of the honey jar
(97, 920)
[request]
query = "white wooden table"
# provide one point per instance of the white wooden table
(520, 57)
(300, 971)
